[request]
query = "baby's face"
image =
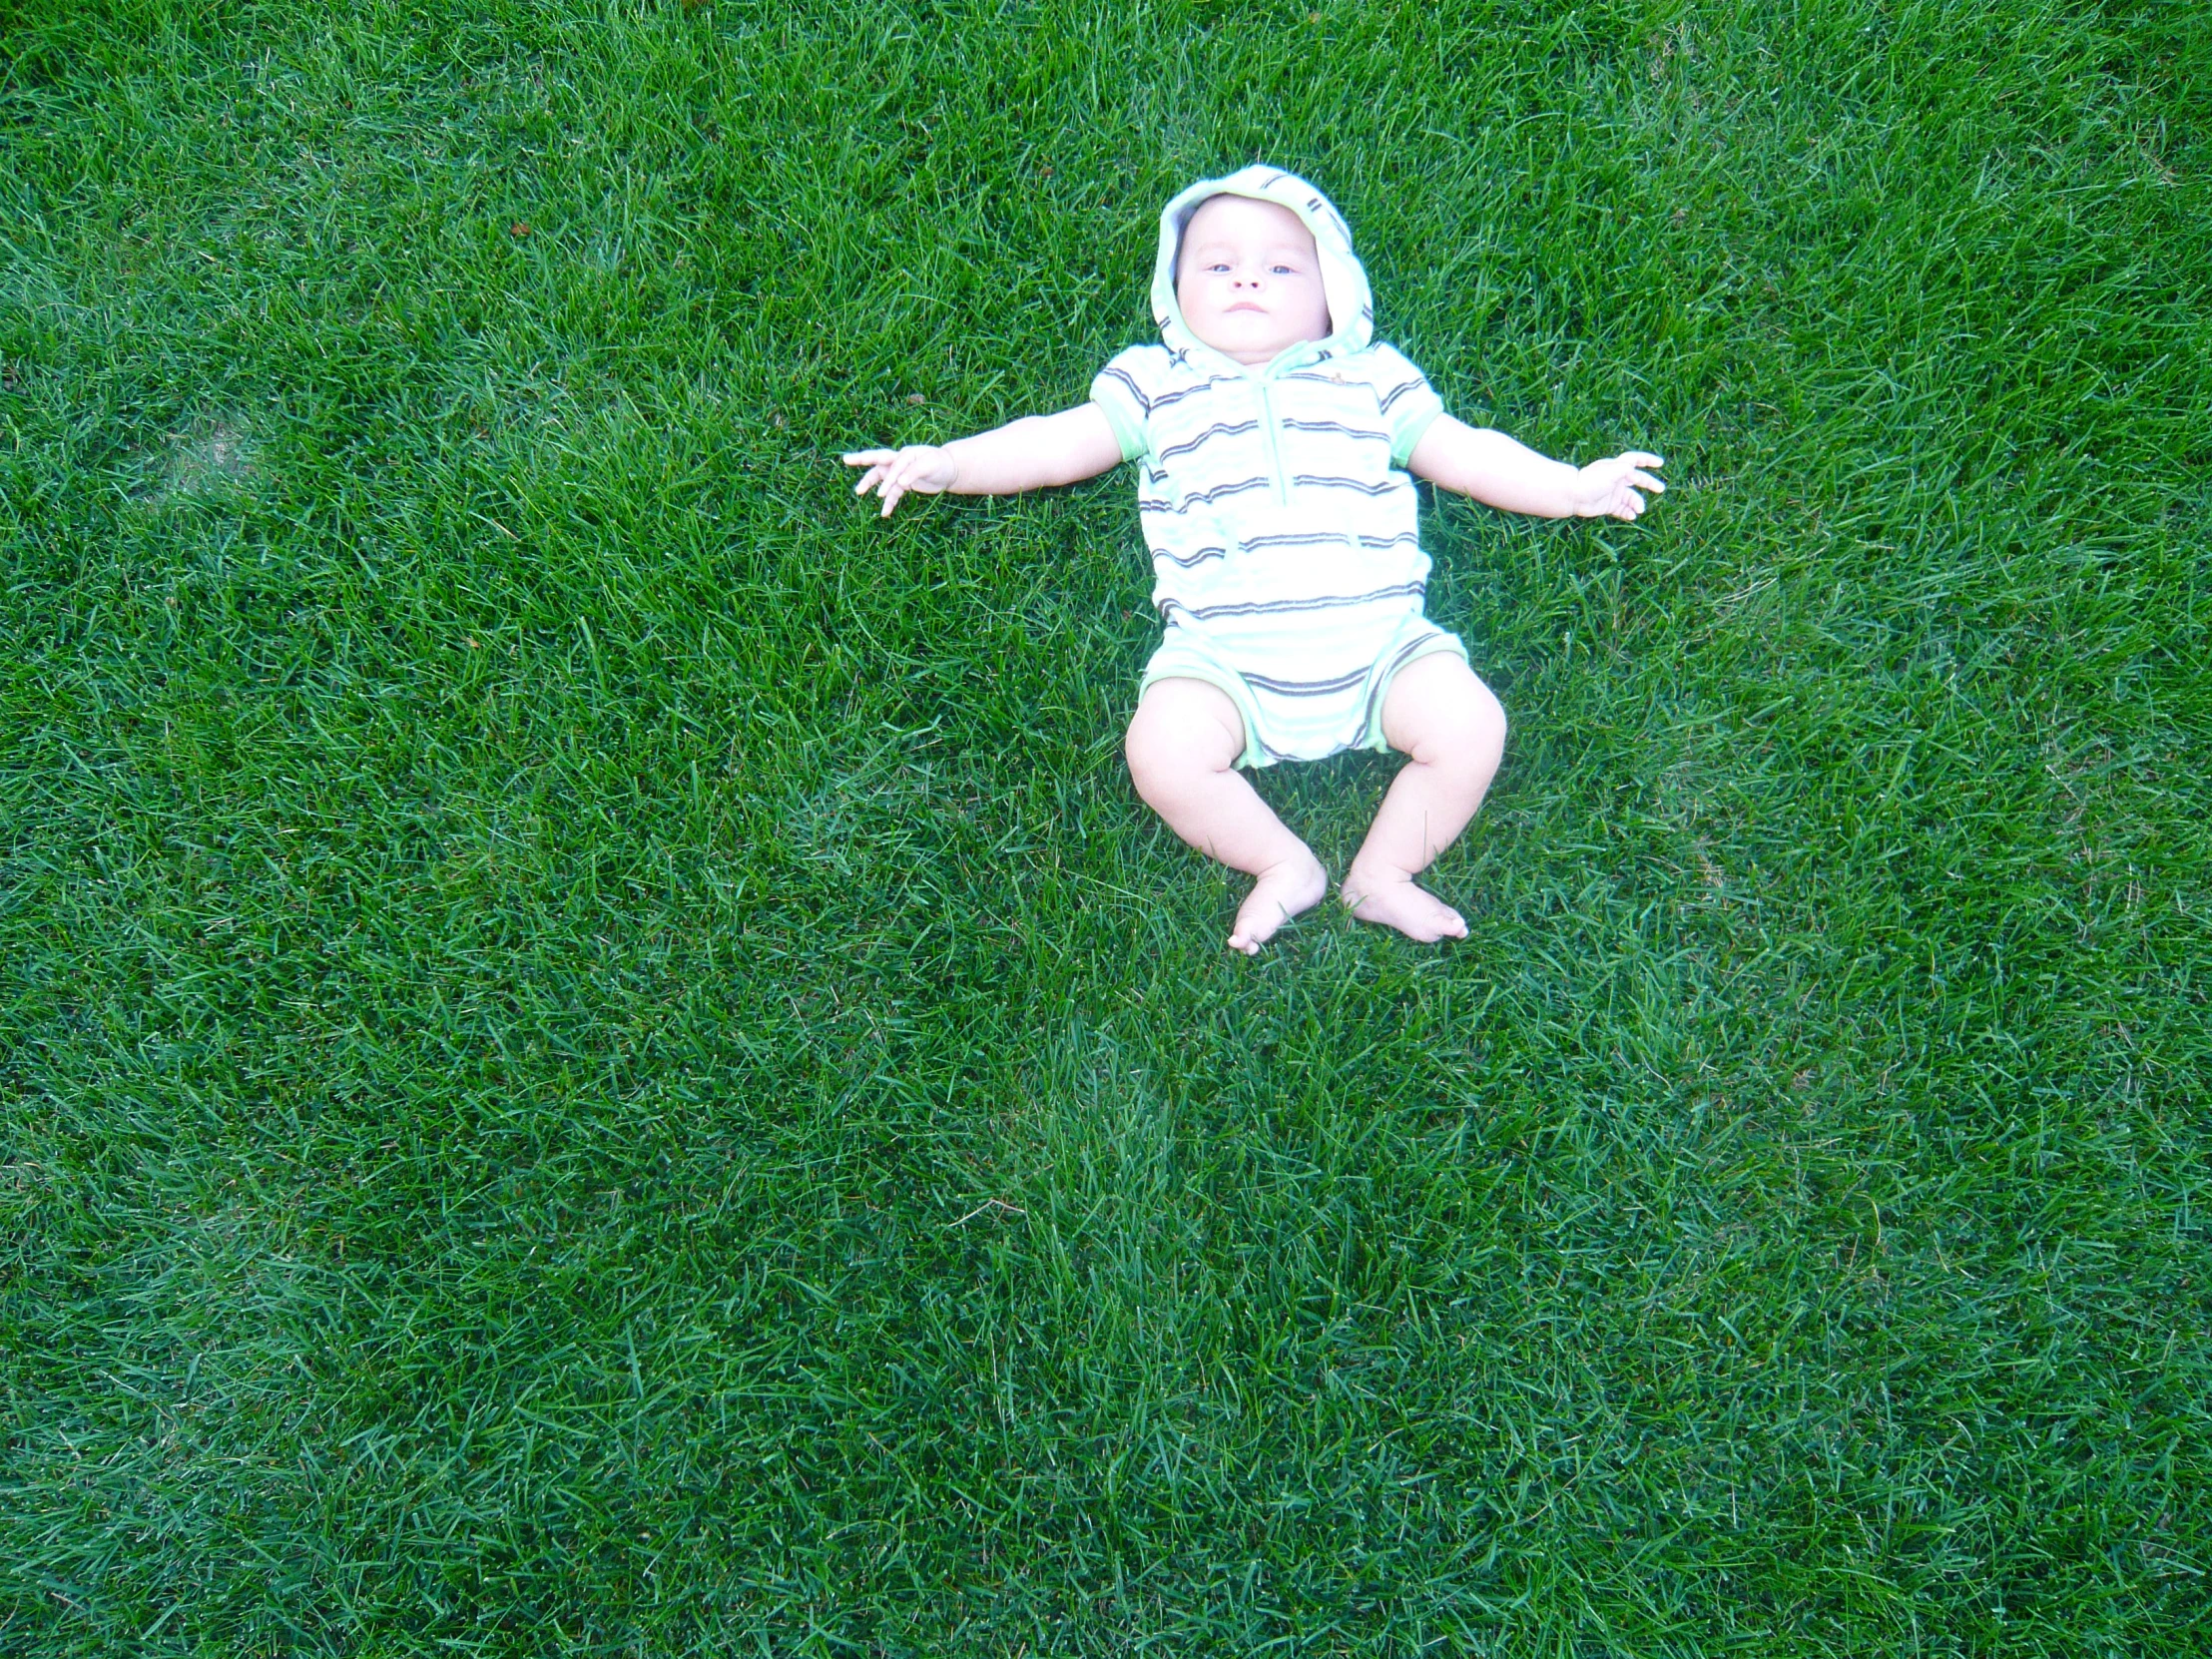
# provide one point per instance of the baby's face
(1249, 280)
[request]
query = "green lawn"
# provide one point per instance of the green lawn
(599, 1057)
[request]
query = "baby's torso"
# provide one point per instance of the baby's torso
(1276, 499)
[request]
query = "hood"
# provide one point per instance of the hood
(1343, 279)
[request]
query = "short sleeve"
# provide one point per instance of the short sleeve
(1408, 402)
(1119, 389)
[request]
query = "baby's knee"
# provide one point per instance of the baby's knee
(1464, 729)
(1158, 755)
(1176, 734)
(1480, 739)
(1486, 716)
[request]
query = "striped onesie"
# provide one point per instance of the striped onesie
(1286, 562)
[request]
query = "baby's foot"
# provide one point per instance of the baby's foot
(1278, 894)
(1390, 897)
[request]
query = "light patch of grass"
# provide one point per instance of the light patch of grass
(212, 456)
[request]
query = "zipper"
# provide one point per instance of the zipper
(1275, 444)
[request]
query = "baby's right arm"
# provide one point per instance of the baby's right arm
(1032, 453)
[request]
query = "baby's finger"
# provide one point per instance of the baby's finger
(1640, 457)
(866, 457)
(872, 475)
(1645, 482)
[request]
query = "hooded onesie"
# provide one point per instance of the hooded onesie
(1282, 525)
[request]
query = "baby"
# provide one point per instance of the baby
(1275, 437)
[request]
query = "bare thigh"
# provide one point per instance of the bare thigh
(1440, 713)
(1183, 725)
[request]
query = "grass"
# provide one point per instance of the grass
(599, 1057)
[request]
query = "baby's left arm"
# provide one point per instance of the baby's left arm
(1499, 472)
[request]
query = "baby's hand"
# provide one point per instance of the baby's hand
(892, 472)
(1610, 486)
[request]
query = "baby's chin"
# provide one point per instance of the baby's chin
(1255, 345)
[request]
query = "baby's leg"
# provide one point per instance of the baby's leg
(1445, 719)
(1182, 748)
